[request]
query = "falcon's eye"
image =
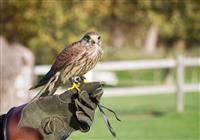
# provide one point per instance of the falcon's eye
(86, 37)
(99, 38)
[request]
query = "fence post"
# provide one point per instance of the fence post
(180, 84)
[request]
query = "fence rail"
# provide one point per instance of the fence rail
(132, 65)
(179, 64)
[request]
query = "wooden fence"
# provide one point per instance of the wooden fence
(179, 88)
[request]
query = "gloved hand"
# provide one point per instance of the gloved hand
(56, 117)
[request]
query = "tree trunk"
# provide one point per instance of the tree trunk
(151, 39)
(16, 74)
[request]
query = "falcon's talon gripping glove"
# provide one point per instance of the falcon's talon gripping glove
(56, 117)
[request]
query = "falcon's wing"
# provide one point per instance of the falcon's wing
(67, 56)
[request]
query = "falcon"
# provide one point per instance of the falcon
(73, 61)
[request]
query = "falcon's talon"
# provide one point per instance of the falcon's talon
(75, 86)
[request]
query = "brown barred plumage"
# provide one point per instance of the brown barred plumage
(75, 60)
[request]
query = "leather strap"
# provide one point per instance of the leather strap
(105, 118)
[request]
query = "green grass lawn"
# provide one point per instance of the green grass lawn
(151, 117)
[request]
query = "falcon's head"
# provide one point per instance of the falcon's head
(92, 38)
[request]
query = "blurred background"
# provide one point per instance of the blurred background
(151, 61)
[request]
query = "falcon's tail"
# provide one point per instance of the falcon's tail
(44, 79)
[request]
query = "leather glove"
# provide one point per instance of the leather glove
(57, 116)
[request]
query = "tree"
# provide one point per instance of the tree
(46, 26)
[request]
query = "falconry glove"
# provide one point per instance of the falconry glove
(57, 116)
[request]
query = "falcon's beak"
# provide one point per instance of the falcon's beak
(99, 43)
(96, 40)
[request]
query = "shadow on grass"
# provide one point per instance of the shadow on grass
(141, 114)
(157, 113)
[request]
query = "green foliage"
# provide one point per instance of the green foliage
(53, 24)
